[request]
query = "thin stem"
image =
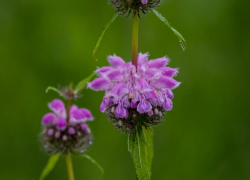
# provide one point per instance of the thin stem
(69, 167)
(68, 109)
(135, 29)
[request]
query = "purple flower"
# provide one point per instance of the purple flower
(59, 115)
(64, 133)
(136, 92)
(144, 1)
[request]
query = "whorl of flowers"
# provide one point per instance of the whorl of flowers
(135, 6)
(136, 96)
(66, 132)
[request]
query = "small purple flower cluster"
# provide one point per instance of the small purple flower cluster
(136, 96)
(66, 132)
(137, 6)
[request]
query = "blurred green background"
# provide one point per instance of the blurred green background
(50, 42)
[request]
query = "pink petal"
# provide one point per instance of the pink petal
(115, 75)
(170, 72)
(134, 100)
(104, 69)
(87, 114)
(72, 108)
(61, 123)
(152, 73)
(116, 61)
(99, 84)
(158, 63)
(150, 95)
(119, 90)
(166, 82)
(76, 116)
(144, 106)
(170, 94)
(126, 102)
(103, 104)
(49, 118)
(167, 105)
(144, 1)
(142, 63)
(143, 86)
(120, 111)
(142, 58)
(57, 106)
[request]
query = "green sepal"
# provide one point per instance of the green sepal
(49, 166)
(140, 144)
(183, 42)
(54, 89)
(94, 162)
(82, 84)
(103, 32)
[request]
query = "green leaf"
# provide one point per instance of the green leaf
(148, 135)
(140, 144)
(50, 166)
(94, 162)
(103, 32)
(82, 84)
(54, 89)
(183, 42)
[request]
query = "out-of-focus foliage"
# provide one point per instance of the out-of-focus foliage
(50, 42)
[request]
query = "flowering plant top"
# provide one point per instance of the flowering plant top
(136, 97)
(66, 132)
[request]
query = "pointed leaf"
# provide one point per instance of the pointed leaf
(50, 166)
(183, 42)
(54, 89)
(94, 162)
(140, 144)
(103, 32)
(82, 84)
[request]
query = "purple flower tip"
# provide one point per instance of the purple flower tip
(49, 118)
(71, 130)
(61, 123)
(57, 106)
(59, 115)
(144, 1)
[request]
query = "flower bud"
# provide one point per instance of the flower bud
(135, 6)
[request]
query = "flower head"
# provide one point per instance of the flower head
(64, 132)
(133, 95)
(137, 6)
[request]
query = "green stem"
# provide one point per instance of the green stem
(135, 29)
(68, 109)
(69, 167)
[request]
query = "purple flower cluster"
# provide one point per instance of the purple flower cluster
(133, 95)
(64, 132)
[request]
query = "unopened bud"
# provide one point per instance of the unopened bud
(64, 138)
(120, 123)
(50, 132)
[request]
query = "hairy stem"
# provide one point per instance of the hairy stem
(135, 29)
(69, 167)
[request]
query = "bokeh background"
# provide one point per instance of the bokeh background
(50, 42)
